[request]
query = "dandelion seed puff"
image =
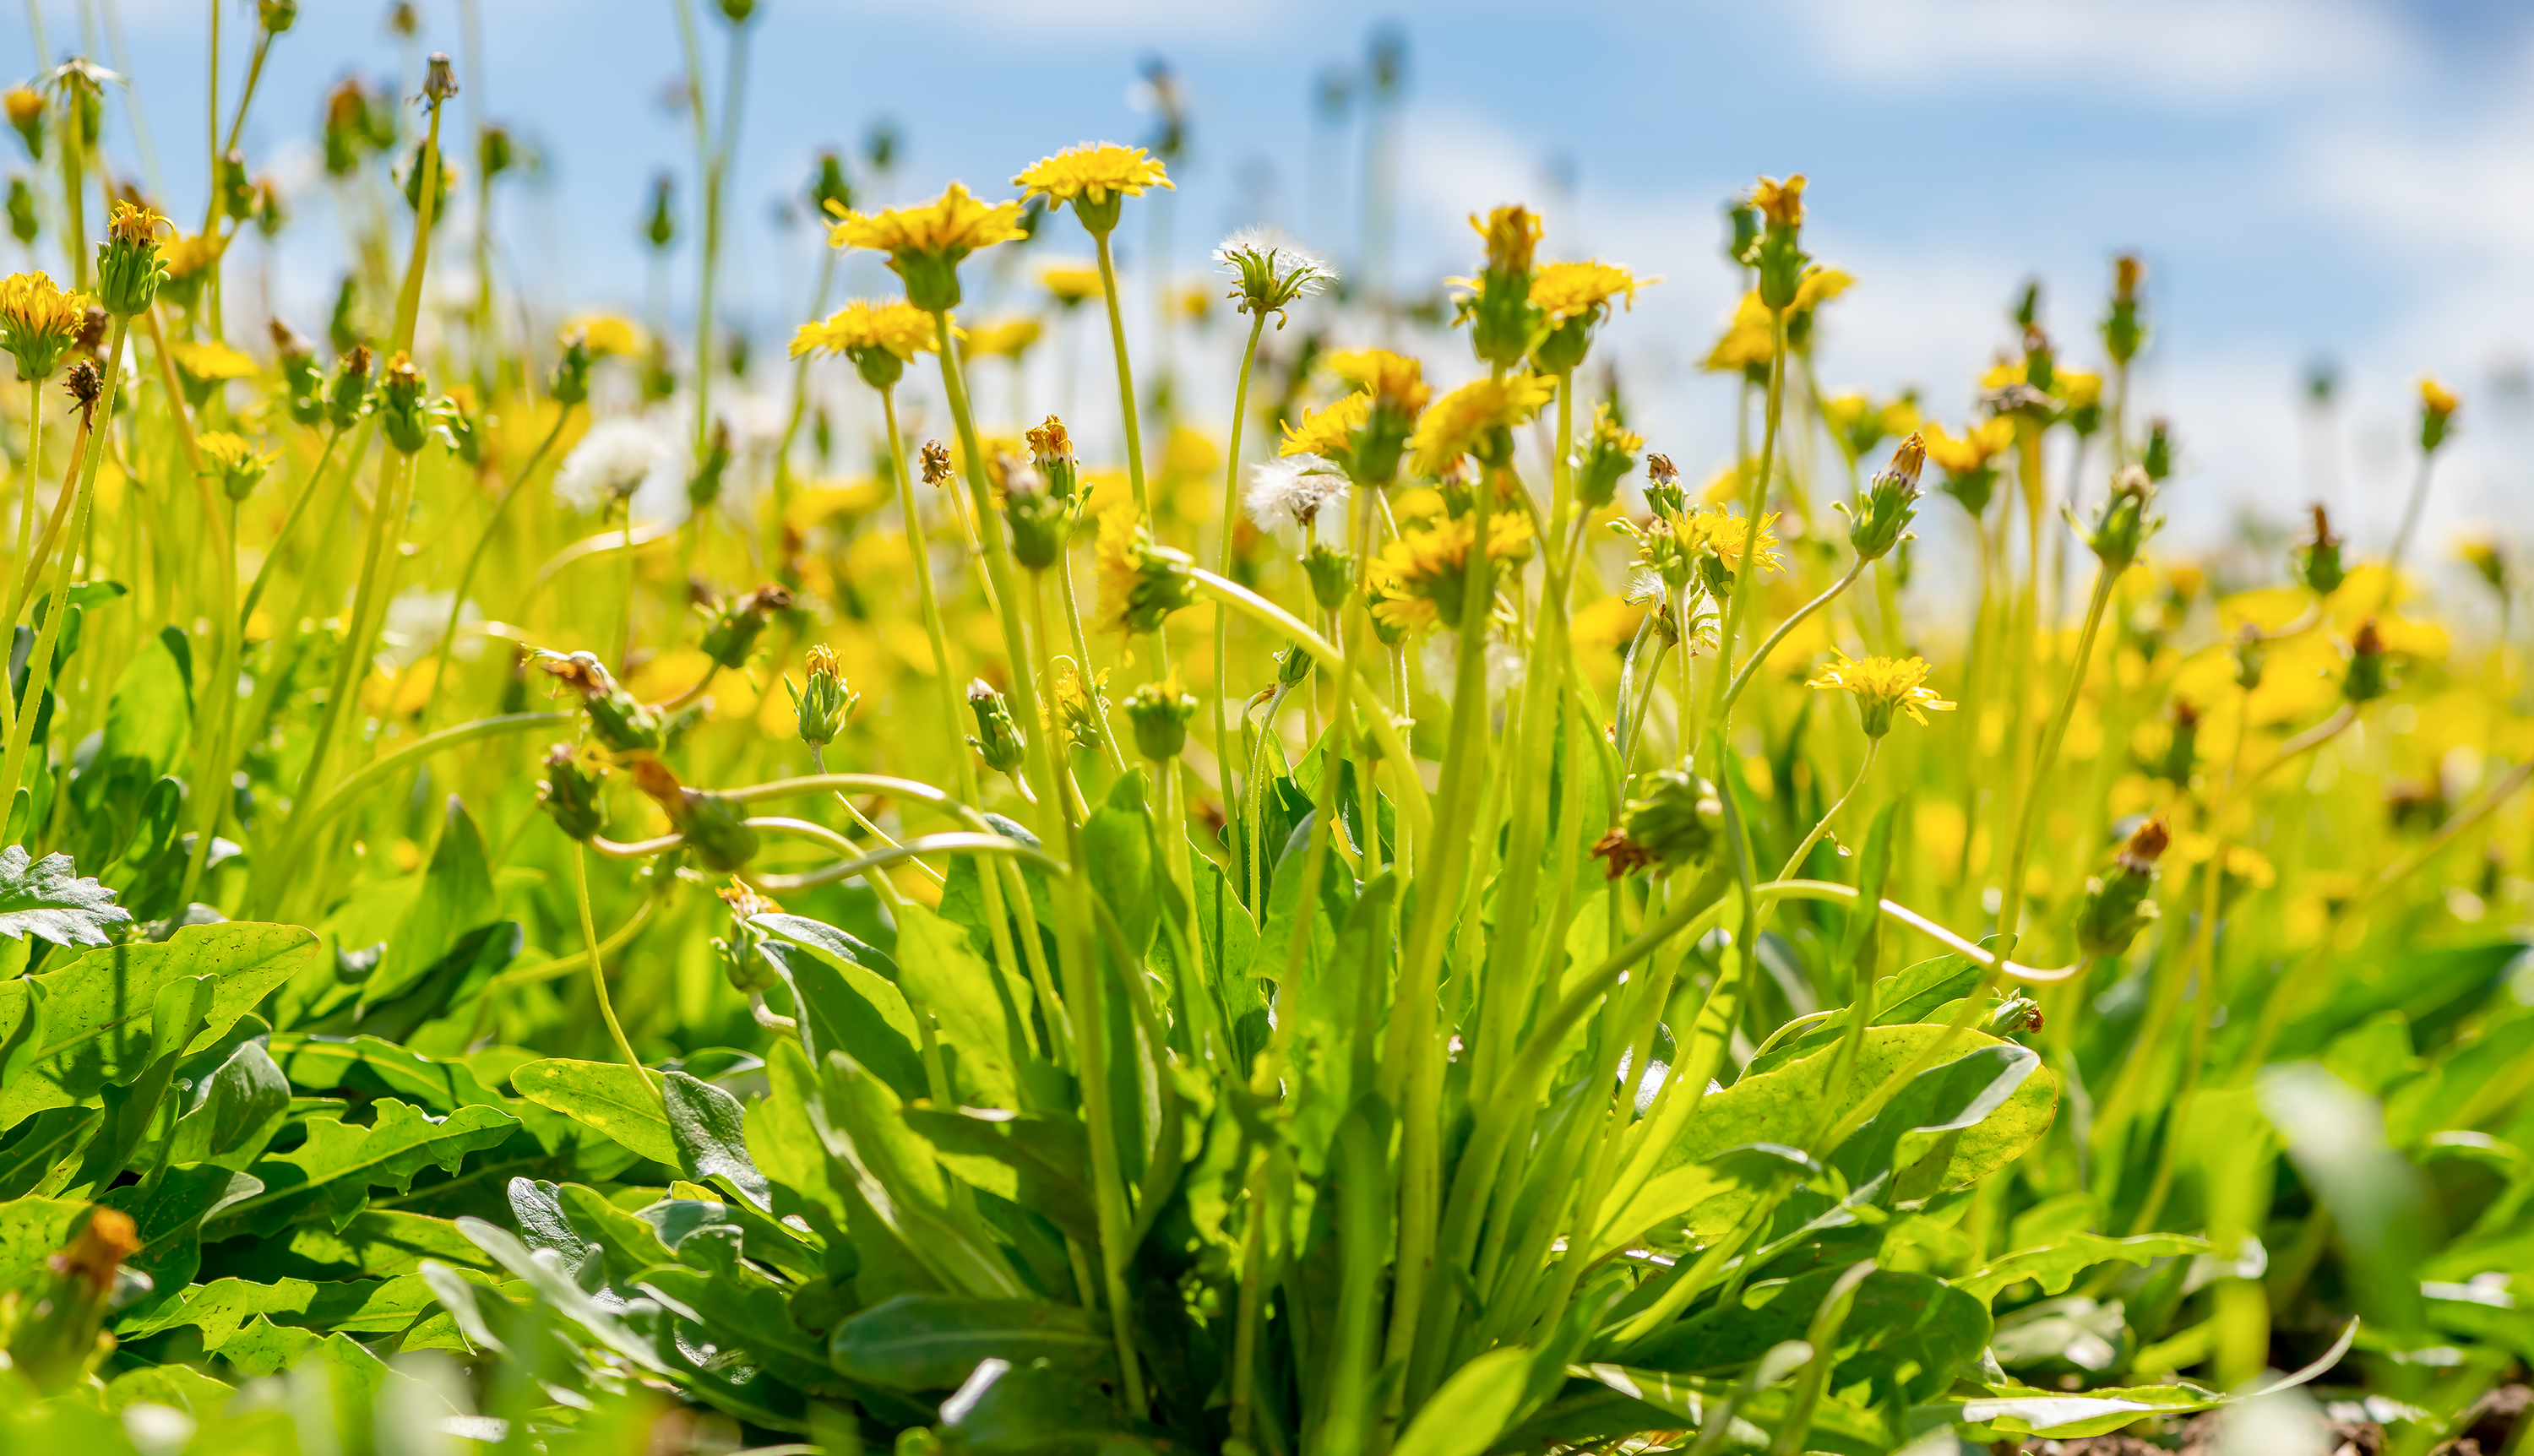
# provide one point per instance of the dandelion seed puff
(611, 463)
(1294, 491)
(1287, 255)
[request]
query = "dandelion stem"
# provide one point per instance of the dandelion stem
(1125, 376)
(475, 558)
(598, 974)
(289, 525)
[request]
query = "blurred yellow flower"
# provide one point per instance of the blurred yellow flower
(1565, 290)
(900, 327)
(1070, 281)
(1004, 338)
(1328, 430)
(605, 333)
(1747, 339)
(1782, 202)
(1976, 446)
(1458, 423)
(1394, 379)
(1423, 574)
(210, 362)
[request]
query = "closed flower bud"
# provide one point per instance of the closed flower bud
(746, 967)
(2438, 405)
(703, 487)
(426, 166)
(570, 383)
(26, 112)
(1052, 454)
(2488, 561)
(661, 228)
(1780, 257)
(714, 828)
(2014, 1015)
(1881, 517)
(276, 16)
(2249, 658)
(934, 458)
(1503, 320)
(997, 739)
(55, 1335)
(237, 465)
(570, 793)
(2156, 457)
(2368, 676)
(128, 268)
(739, 622)
(439, 79)
(1604, 459)
(351, 392)
(1041, 521)
(2181, 751)
(1678, 821)
(2123, 525)
(22, 222)
(831, 195)
(1332, 574)
(404, 416)
(1662, 486)
(2317, 559)
(2117, 906)
(1293, 664)
(824, 703)
(1160, 714)
(2123, 334)
(618, 720)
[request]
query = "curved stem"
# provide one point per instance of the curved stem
(1760, 654)
(1796, 861)
(547, 970)
(599, 974)
(1223, 567)
(289, 523)
(2410, 525)
(963, 842)
(475, 558)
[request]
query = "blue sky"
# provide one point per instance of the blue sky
(2306, 177)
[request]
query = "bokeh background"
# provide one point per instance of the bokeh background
(2319, 186)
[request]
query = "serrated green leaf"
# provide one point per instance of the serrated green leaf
(47, 899)
(329, 1176)
(223, 1307)
(606, 1095)
(2056, 1265)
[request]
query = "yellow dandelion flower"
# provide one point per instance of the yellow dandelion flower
(38, 322)
(901, 329)
(1782, 202)
(1512, 233)
(605, 333)
(1566, 291)
(1393, 379)
(1883, 686)
(1327, 431)
(1819, 287)
(1976, 446)
(210, 362)
(1747, 339)
(1070, 281)
(2436, 398)
(1714, 529)
(925, 243)
(1470, 419)
(2078, 388)
(1004, 338)
(1422, 575)
(1094, 172)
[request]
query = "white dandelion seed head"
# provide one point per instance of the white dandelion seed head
(1271, 249)
(1642, 585)
(617, 459)
(1296, 492)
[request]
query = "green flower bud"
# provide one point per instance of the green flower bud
(2368, 676)
(662, 229)
(351, 391)
(1503, 320)
(276, 16)
(568, 385)
(344, 325)
(22, 222)
(2316, 560)
(998, 738)
(2182, 751)
(1606, 456)
(236, 464)
(704, 486)
(1780, 254)
(2156, 457)
(1332, 574)
(1663, 494)
(831, 195)
(1679, 820)
(128, 268)
(2248, 659)
(403, 416)
(303, 386)
(1041, 521)
(739, 622)
(2013, 1015)
(2123, 525)
(821, 707)
(742, 963)
(1883, 514)
(570, 792)
(2438, 405)
(26, 113)
(2122, 330)
(1292, 665)
(2117, 906)
(715, 828)
(619, 721)
(1160, 714)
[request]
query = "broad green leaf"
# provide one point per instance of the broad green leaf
(1470, 1411)
(1118, 848)
(543, 1274)
(900, 1178)
(848, 1003)
(381, 1243)
(373, 1066)
(1906, 1333)
(221, 1308)
(177, 1386)
(235, 1112)
(44, 898)
(40, 1154)
(176, 1014)
(1698, 1201)
(934, 1342)
(1041, 1163)
(33, 1230)
(329, 1176)
(151, 713)
(709, 1129)
(97, 1008)
(167, 1215)
(972, 1006)
(1009, 1410)
(2054, 1266)
(739, 1305)
(456, 900)
(606, 1095)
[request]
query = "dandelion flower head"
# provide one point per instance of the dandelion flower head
(1093, 172)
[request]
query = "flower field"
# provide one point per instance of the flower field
(574, 885)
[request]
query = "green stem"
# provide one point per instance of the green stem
(475, 559)
(1223, 565)
(289, 523)
(1760, 654)
(599, 974)
(2011, 890)
(1126, 376)
(1755, 505)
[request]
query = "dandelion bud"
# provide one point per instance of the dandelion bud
(303, 386)
(662, 229)
(2014, 1016)
(1678, 821)
(1502, 318)
(1779, 257)
(1606, 458)
(2116, 906)
(2123, 525)
(22, 222)
(1271, 273)
(1141, 583)
(821, 707)
(401, 413)
(1160, 714)
(999, 738)
(2156, 457)
(439, 79)
(344, 327)
(1332, 574)
(128, 268)
(1052, 452)
(1662, 486)
(1041, 524)
(2368, 676)
(2438, 405)
(704, 486)
(2317, 559)
(1881, 517)
(831, 196)
(569, 792)
(496, 152)
(57, 1338)
(742, 964)
(351, 392)
(2183, 749)
(618, 720)
(233, 462)
(1293, 664)
(2488, 561)
(714, 828)
(427, 162)
(570, 383)
(2249, 658)
(935, 462)
(737, 12)
(85, 385)
(25, 108)
(739, 622)
(276, 16)
(1742, 233)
